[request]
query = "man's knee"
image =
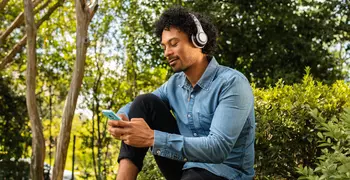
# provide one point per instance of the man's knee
(149, 97)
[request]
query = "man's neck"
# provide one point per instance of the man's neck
(195, 72)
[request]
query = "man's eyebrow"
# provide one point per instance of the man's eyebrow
(174, 38)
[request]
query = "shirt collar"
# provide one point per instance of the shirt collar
(206, 78)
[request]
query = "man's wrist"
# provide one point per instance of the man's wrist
(151, 139)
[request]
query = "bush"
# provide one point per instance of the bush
(14, 169)
(15, 136)
(150, 170)
(286, 134)
(334, 140)
(19, 169)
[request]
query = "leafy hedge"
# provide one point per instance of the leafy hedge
(286, 135)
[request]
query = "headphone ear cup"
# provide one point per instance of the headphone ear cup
(196, 43)
(200, 38)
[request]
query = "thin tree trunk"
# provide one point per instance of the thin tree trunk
(84, 15)
(99, 145)
(93, 140)
(50, 132)
(38, 142)
(105, 159)
(93, 123)
(96, 110)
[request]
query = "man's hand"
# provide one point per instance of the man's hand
(135, 133)
(113, 124)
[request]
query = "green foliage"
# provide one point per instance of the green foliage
(286, 134)
(138, 31)
(266, 40)
(269, 40)
(15, 134)
(150, 169)
(7, 16)
(14, 169)
(334, 141)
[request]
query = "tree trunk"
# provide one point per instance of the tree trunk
(38, 143)
(84, 15)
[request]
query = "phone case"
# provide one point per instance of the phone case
(110, 115)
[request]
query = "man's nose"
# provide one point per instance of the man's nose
(168, 52)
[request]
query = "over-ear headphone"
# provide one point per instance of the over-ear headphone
(200, 39)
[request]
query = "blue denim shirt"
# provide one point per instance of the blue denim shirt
(216, 122)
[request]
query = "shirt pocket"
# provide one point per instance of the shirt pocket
(205, 122)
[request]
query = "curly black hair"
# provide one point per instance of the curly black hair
(180, 17)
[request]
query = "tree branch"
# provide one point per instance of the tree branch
(16, 23)
(49, 12)
(92, 9)
(83, 4)
(3, 4)
(42, 6)
(9, 58)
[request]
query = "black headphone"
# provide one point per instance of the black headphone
(200, 39)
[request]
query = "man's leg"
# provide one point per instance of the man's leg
(157, 115)
(199, 174)
(127, 170)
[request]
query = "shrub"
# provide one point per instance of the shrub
(150, 170)
(15, 136)
(286, 134)
(334, 141)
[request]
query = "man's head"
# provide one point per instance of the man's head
(175, 28)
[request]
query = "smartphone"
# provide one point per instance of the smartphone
(110, 115)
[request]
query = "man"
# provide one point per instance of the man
(212, 133)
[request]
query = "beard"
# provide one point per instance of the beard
(179, 69)
(175, 63)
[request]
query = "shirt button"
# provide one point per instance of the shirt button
(194, 134)
(189, 115)
(192, 96)
(158, 152)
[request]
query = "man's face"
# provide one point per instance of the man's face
(179, 50)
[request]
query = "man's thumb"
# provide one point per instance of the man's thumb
(123, 117)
